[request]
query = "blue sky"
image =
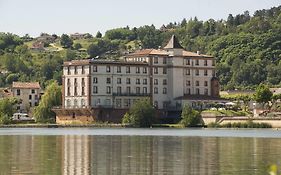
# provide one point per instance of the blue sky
(70, 16)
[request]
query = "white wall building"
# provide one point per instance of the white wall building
(167, 76)
(28, 93)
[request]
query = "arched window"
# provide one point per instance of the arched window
(68, 103)
(75, 103)
(83, 103)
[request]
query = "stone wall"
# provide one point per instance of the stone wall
(274, 122)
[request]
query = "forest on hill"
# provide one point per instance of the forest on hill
(247, 48)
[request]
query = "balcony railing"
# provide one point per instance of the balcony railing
(132, 94)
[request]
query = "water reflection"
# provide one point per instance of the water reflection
(116, 155)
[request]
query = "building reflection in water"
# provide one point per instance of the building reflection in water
(118, 155)
(138, 155)
(76, 155)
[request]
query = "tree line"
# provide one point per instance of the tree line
(247, 48)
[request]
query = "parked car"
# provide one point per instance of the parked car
(22, 117)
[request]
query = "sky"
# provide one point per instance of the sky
(89, 16)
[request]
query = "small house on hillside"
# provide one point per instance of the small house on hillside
(29, 94)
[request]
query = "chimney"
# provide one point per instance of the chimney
(198, 52)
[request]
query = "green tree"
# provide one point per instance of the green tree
(66, 41)
(141, 114)
(77, 46)
(98, 35)
(263, 94)
(190, 117)
(7, 109)
(51, 98)
(12, 77)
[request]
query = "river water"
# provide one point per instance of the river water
(138, 151)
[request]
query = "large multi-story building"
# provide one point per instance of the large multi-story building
(170, 77)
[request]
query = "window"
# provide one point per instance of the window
(137, 70)
(155, 90)
(95, 68)
(197, 91)
(164, 70)
(128, 90)
(156, 70)
(155, 81)
(197, 83)
(119, 90)
(205, 63)
(68, 103)
(213, 73)
(205, 91)
(206, 72)
(187, 72)
(18, 91)
(95, 89)
(155, 60)
(197, 72)
(36, 97)
(197, 62)
(205, 83)
(33, 91)
(68, 91)
(187, 82)
(164, 81)
(108, 80)
(128, 69)
(75, 103)
(95, 80)
(187, 61)
(68, 82)
(75, 82)
(156, 104)
(213, 62)
(83, 82)
(107, 68)
(144, 70)
(75, 70)
(128, 81)
(188, 91)
(75, 91)
(83, 102)
(108, 89)
(68, 70)
(118, 69)
(137, 90)
(127, 102)
(118, 103)
(30, 97)
(83, 69)
(145, 81)
(164, 90)
(119, 81)
(144, 89)
(83, 90)
(137, 81)
(164, 60)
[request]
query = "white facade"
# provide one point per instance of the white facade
(162, 75)
(28, 93)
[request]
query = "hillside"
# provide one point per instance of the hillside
(247, 48)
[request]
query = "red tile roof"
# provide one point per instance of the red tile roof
(26, 85)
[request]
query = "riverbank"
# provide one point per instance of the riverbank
(34, 125)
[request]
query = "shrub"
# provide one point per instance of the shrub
(141, 114)
(190, 117)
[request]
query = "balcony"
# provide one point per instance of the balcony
(132, 94)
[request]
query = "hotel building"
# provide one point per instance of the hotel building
(106, 89)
